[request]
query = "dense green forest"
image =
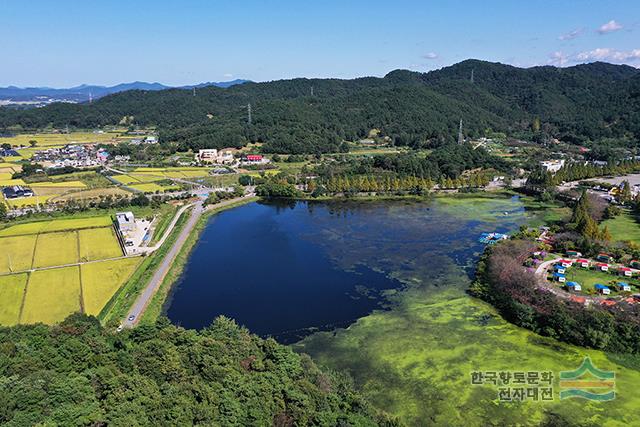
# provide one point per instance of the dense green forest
(77, 373)
(577, 104)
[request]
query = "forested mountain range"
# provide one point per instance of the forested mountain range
(579, 104)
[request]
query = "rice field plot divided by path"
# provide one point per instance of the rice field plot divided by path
(53, 249)
(56, 225)
(11, 296)
(101, 280)
(17, 253)
(98, 243)
(51, 295)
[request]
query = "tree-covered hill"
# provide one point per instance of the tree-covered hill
(77, 373)
(578, 104)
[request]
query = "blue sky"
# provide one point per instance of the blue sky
(64, 43)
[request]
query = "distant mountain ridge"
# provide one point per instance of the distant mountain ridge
(85, 92)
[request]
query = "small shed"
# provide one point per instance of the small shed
(558, 268)
(559, 277)
(624, 286)
(584, 263)
(574, 286)
(624, 271)
(603, 258)
(565, 263)
(602, 266)
(574, 254)
(635, 264)
(602, 289)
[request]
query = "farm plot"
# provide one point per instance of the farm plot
(54, 249)
(98, 243)
(17, 253)
(57, 225)
(148, 187)
(11, 295)
(51, 295)
(101, 280)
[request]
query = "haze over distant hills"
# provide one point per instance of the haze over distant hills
(82, 93)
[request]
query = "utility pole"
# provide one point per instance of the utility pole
(472, 79)
(460, 137)
(249, 113)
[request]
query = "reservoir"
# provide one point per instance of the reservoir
(289, 269)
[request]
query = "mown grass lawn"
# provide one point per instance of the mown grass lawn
(624, 227)
(587, 278)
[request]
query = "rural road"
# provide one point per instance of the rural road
(143, 300)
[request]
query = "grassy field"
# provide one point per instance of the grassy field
(624, 227)
(17, 253)
(11, 295)
(101, 280)
(51, 295)
(98, 243)
(54, 249)
(587, 278)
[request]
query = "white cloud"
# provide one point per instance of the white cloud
(609, 55)
(571, 34)
(430, 55)
(227, 75)
(609, 27)
(558, 59)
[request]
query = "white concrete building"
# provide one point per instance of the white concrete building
(126, 222)
(552, 165)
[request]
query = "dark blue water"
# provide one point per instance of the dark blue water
(289, 270)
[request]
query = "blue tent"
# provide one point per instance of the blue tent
(571, 284)
(599, 286)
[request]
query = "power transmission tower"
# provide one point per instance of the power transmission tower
(311, 90)
(249, 113)
(90, 98)
(460, 137)
(194, 91)
(472, 79)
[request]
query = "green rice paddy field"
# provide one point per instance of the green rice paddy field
(49, 295)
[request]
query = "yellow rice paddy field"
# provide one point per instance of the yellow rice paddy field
(11, 296)
(51, 295)
(56, 249)
(60, 139)
(98, 243)
(17, 253)
(101, 280)
(38, 285)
